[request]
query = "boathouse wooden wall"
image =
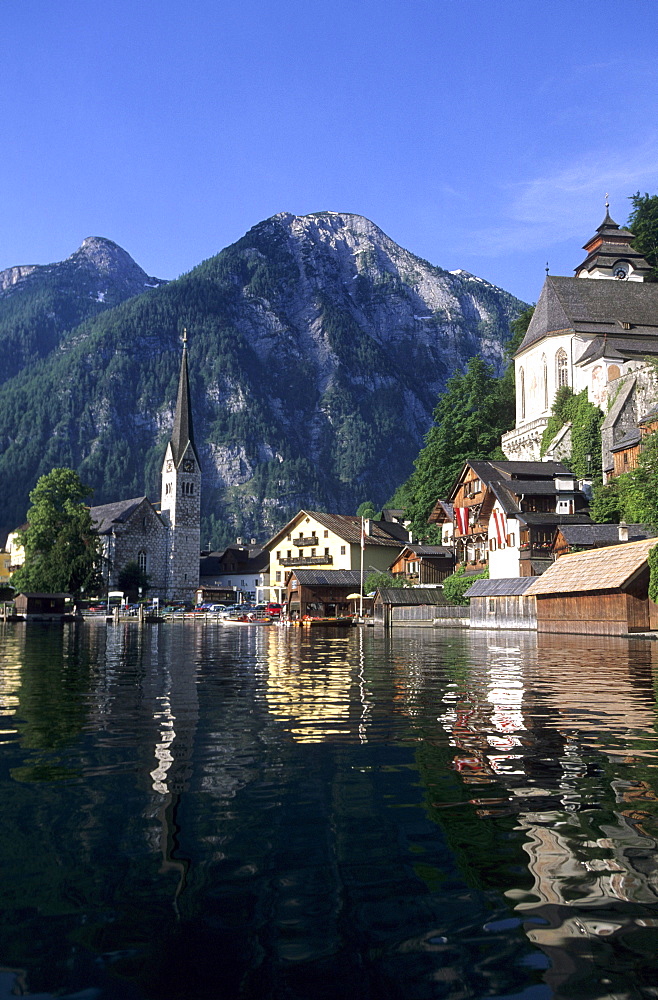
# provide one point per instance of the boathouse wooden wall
(513, 611)
(595, 613)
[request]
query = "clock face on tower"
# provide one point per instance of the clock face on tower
(621, 271)
(188, 465)
(170, 465)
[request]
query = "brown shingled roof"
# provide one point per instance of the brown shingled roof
(607, 568)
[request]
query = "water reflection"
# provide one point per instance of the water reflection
(194, 810)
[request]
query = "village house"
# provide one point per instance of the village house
(600, 592)
(581, 537)
(423, 565)
(593, 331)
(313, 539)
(506, 513)
(237, 573)
(626, 452)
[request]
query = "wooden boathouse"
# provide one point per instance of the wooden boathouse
(503, 604)
(601, 592)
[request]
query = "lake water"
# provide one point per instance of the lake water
(203, 811)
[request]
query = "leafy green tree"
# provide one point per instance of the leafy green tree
(652, 559)
(367, 509)
(131, 579)
(638, 489)
(455, 586)
(62, 550)
(374, 581)
(643, 222)
(606, 505)
(586, 419)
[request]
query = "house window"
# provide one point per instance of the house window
(278, 577)
(492, 544)
(326, 534)
(301, 553)
(278, 553)
(288, 553)
(561, 368)
(326, 552)
(342, 550)
(313, 552)
(167, 489)
(492, 605)
(141, 561)
(522, 392)
(289, 538)
(510, 539)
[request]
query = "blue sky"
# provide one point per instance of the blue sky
(481, 135)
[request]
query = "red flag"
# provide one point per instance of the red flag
(499, 533)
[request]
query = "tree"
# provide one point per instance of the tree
(469, 419)
(638, 489)
(643, 222)
(62, 550)
(374, 581)
(132, 579)
(367, 509)
(455, 586)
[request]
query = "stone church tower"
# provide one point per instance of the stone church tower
(180, 499)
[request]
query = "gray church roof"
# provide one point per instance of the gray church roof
(594, 307)
(108, 514)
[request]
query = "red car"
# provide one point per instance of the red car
(273, 610)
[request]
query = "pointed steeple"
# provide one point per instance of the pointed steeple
(182, 435)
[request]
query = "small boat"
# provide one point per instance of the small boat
(246, 620)
(341, 622)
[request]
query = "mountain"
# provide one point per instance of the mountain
(40, 302)
(317, 350)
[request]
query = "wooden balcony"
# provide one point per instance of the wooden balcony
(308, 542)
(307, 561)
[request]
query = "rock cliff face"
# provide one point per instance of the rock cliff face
(39, 303)
(318, 348)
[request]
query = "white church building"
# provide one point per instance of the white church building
(593, 331)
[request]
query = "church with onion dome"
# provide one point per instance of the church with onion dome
(593, 331)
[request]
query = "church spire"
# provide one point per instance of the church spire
(182, 435)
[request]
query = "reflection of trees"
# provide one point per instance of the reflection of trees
(55, 682)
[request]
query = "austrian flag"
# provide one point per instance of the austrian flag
(461, 516)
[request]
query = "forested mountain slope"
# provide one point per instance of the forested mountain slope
(317, 349)
(39, 303)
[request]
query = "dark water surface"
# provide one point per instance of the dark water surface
(200, 811)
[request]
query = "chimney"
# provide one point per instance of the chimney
(238, 540)
(252, 541)
(368, 526)
(623, 531)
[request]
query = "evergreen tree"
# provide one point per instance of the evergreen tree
(643, 222)
(62, 550)
(468, 422)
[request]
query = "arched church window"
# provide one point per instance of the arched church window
(522, 392)
(141, 560)
(544, 369)
(561, 368)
